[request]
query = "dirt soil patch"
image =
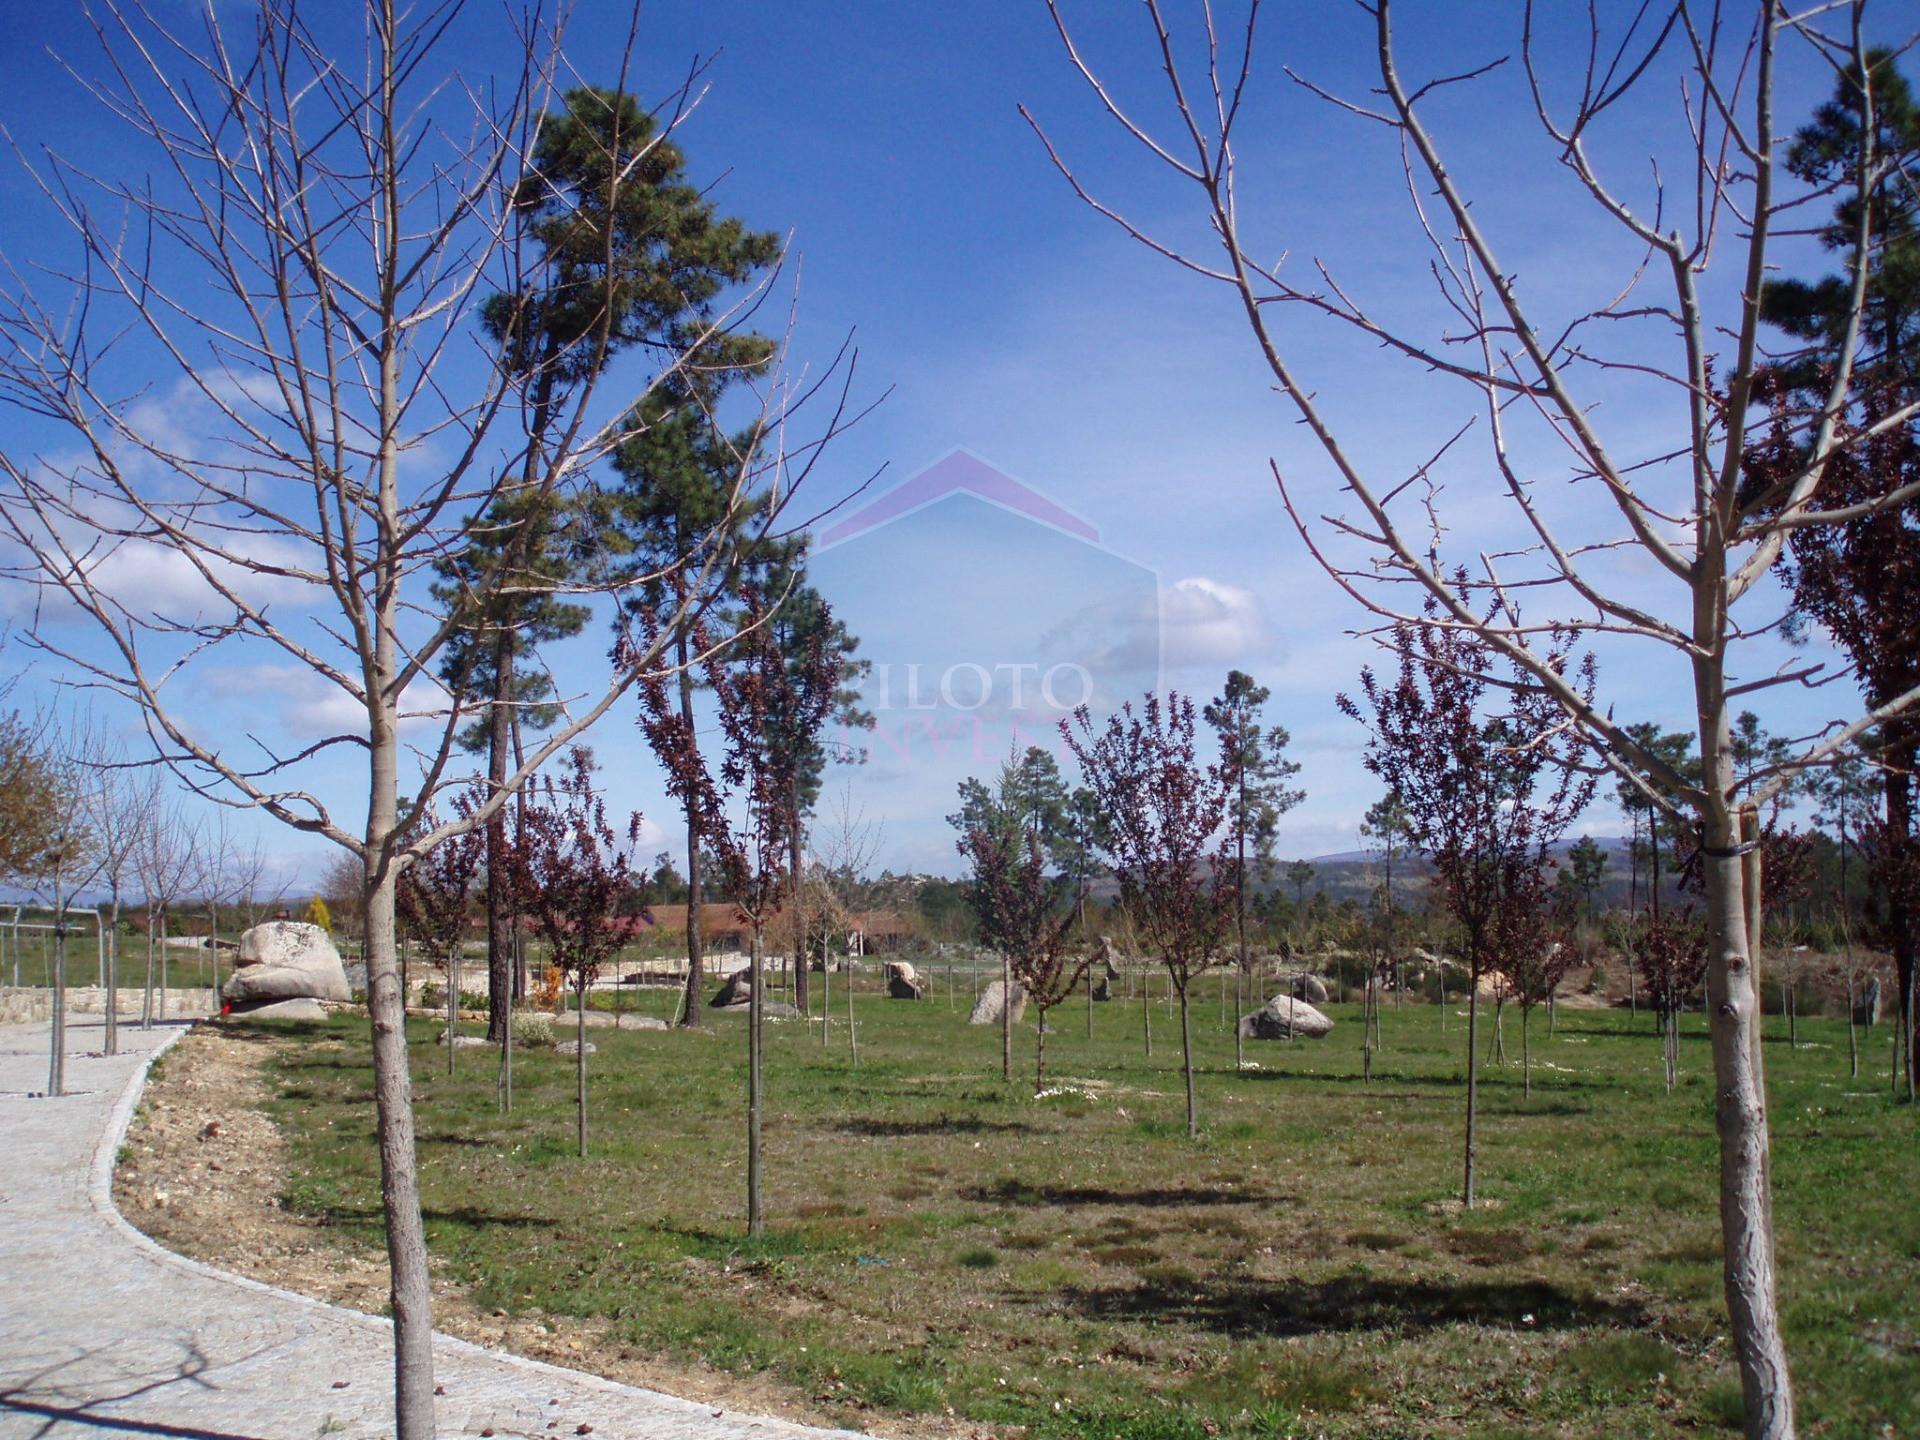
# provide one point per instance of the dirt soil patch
(203, 1172)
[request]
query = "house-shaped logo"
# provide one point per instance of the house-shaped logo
(987, 610)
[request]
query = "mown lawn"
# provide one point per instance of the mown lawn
(943, 1243)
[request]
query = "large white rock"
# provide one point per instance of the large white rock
(287, 960)
(986, 1010)
(1284, 1017)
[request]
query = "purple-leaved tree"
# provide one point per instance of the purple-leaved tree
(1165, 812)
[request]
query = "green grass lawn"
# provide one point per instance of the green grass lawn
(942, 1242)
(185, 969)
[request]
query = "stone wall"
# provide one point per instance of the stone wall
(34, 1004)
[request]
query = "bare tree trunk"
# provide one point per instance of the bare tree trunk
(796, 869)
(503, 1086)
(57, 1039)
(1366, 1029)
(580, 1065)
(853, 1034)
(1853, 1033)
(1186, 1052)
(1526, 1053)
(1746, 1204)
(1146, 1010)
(1006, 1020)
(146, 999)
(410, 1293)
(453, 1007)
(1473, 1076)
(696, 960)
(113, 969)
(1907, 1030)
(756, 1220)
(500, 975)
(1040, 1055)
(826, 991)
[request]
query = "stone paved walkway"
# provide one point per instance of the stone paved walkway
(104, 1333)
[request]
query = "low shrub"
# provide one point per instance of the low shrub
(532, 1028)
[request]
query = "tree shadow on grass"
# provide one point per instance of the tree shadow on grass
(1488, 1081)
(1019, 1192)
(943, 1125)
(1349, 1304)
(467, 1215)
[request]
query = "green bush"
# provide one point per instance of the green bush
(532, 1028)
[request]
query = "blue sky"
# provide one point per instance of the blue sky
(1013, 324)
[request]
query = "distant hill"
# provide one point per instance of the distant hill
(1351, 873)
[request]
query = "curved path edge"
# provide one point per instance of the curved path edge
(222, 1356)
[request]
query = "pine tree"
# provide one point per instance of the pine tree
(1858, 578)
(644, 272)
(1255, 767)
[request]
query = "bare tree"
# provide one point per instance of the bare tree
(844, 850)
(165, 860)
(117, 803)
(1529, 375)
(299, 261)
(66, 861)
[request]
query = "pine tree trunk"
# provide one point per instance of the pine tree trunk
(756, 1221)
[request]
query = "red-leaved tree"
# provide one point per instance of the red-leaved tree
(767, 701)
(1489, 780)
(1530, 949)
(578, 880)
(1017, 905)
(1164, 815)
(1670, 954)
(435, 900)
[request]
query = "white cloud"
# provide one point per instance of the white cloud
(1205, 622)
(306, 706)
